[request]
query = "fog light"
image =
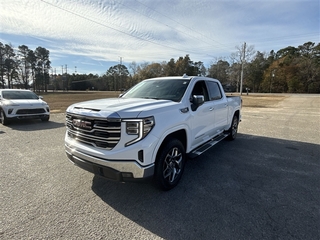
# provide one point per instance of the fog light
(140, 155)
(10, 110)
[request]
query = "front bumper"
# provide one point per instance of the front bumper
(34, 116)
(26, 112)
(118, 170)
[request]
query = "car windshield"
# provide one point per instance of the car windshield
(167, 89)
(19, 95)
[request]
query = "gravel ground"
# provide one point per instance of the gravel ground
(263, 185)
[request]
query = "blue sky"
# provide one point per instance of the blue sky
(89, 36)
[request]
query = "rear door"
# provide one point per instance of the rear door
(220, 106)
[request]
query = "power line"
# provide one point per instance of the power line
(123, 32)
(199, 33)
(181, 24)
(190, 35)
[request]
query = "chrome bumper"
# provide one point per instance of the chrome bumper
(125, 170)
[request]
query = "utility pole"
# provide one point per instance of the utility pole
(120, 66)
(243, 59)
(54, 79)
(67, 77)
(62, 78)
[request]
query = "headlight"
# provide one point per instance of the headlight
(139, 127)
(9, 103)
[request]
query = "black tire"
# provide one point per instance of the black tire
(233, 130)
(169, 165)
(45, 119)
(3, 118)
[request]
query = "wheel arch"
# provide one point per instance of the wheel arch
(237, 113)
(180, 135)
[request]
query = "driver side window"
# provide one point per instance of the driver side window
(200, 88)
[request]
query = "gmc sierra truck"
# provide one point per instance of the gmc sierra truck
(150, 130)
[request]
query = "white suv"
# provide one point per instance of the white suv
(22, 104)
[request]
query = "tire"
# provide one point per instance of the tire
(45, 119)
(233, 130)
(3, 118)
(170, 164)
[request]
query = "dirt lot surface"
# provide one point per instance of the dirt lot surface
(59, 101)
(263, 185)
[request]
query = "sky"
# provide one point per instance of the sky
(90, 36)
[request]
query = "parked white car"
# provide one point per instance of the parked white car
(22, 104)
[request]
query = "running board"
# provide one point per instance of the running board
(201, 149)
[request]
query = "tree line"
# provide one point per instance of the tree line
(24, 67)
(289, 70)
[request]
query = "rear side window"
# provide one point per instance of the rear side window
(214, 91)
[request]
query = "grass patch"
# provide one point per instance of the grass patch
(262, 101)
(59, 101)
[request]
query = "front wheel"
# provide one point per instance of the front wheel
(45, 119)
(170, 165)
(3, 118)
(233, 130)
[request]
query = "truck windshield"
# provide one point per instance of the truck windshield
(167, 89)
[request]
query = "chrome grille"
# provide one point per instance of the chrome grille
(97, 132)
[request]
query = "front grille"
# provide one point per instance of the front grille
(97, 132)
(31, 111)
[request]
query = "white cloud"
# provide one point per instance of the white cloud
(145, 30)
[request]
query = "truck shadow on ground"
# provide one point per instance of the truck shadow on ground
(254, 187)
(33, 125)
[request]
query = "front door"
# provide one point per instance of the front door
(202, 117)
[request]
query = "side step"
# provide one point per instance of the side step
(201, 149)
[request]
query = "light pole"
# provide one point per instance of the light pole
(243, 59)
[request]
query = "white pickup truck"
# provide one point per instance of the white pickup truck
(150, 130)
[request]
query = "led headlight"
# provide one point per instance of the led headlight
(139, 127)
(9, 103)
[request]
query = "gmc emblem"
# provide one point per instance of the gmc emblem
(81, 123)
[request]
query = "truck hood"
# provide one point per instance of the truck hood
(119, 107)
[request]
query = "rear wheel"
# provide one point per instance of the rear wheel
(170, 165)
(3, 118)
(234, 128)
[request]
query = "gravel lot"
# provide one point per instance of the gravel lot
(263, 185)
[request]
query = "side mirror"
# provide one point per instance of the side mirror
(40, 97)
(196, 100)
(123, 91)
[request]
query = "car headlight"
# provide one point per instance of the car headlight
(9, 103)
(139, 127)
